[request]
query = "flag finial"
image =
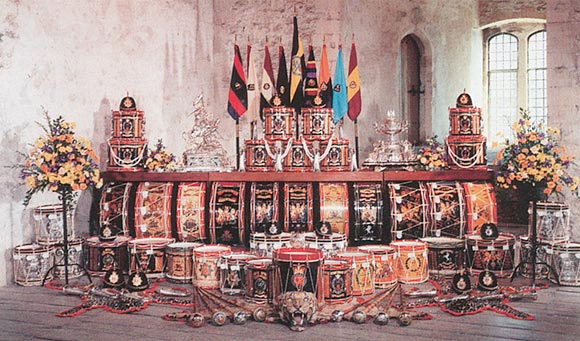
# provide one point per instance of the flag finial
(266, 39)
(235, 38)
(353, 38)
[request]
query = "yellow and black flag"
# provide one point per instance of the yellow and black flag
(297, 65)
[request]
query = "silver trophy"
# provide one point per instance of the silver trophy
(393, 151)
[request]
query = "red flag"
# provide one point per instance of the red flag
(353, 83)
(238, 95)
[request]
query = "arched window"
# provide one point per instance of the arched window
(515, 76)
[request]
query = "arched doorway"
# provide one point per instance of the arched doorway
(412, 87)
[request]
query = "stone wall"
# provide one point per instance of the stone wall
(497, 10)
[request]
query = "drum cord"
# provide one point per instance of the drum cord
(130, 163)
(473, 159)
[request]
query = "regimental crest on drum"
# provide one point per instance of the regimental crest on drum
(226, 207)
(233, 279)
(337, 285)
(260, 284)
(299, 279)
(206, 270)
(298, 207)
(446, 259)
(368, 209)
(264, 206)
(413, 264)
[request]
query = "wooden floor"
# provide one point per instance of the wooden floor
(28, 313)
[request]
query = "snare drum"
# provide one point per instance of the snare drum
(566, 263)
(260, 280)
(298, 269)
(153, 210)
(465, 121)
(264, 245)
(337, 159)
(75, 259)
(48, 224)
(411, 261)
(446, 256)
(363, 276)
(317, 124)
(409, 210)
(544, 251)
(297, 160)
(114, 209)
(446, 209)
(31, 264)
(191, 211)
(179, 258)
(384, 258)
(278, 123)
(330, 245)
(206, 258)
(148, 255)
(495, 255)
(233, 273)
(337, 281)
(553, 221)
(256, 157)
(368, 212)
(101, 256)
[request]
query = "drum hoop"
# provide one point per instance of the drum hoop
(377, 249)
(260, 264)
(48, 208)
(502, 239)
(147, 243)
(443, 242)
(33, 247)
(291, 254)
(566, 246)
(335, 264)
(211, 250)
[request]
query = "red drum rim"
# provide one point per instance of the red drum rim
(501, 239)
(335, 264)
(213, 249)
(259, 263)
(377, 249)
(145, 243)
(33, 248)
(293, 254)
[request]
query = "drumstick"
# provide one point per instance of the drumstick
(215, 301)
(227, 300)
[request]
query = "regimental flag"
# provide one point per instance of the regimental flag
(311, 98)
(339, 99)
(267, 88)
(353, 91)
(297, 64)
(238, 95)
(252, 85)
(324, 80)
(282, 96)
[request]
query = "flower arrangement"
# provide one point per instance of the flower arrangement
(159, 159)
(534, 159)
(432, 156)
(59, 161)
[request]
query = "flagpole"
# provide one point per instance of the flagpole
(356, 140)
(238, 144)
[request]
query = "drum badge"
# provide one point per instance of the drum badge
(205, 270)
(413, 264)
(337, 285)
(233, 278)
(299, 277)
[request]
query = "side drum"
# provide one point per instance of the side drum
(31, 264)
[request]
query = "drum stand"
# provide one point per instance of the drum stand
(65, 247)
(533, 251)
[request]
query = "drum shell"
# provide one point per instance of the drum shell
(126, 154)
(101, 256)
(334, 207)
(298, 207)
(48, 224)
(330, 245)
(128, 123)
(179, 261)
(297, 160)
(338, 158)
(256, 157)
(552, 221)
(298, 269)
(190, 215)
(259, 280)
(153, 210)
(226, 209)
(464, 121)
(480, 204)
(446, 209)
(368, 212)
(409, 210)
(337, 278)
(114, 207)
(31, 263)
(466, 151)
(264, 245)
(411, 261)
(384, 264)
(446, 256)
(233, 273)
(206, 260)
(363, 276)
(75, 259)
(317, 124)
(148, 255)
(278, 123)
(566, 263)
(495, 255)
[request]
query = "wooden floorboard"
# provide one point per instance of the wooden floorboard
(28, 313)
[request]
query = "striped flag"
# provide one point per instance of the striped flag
(311, 83)
(252, 85)
(282, 96)
(324, 80)
(339, 99)
(238, 94)
(296, 65)
(353, 91)
(267, 88)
